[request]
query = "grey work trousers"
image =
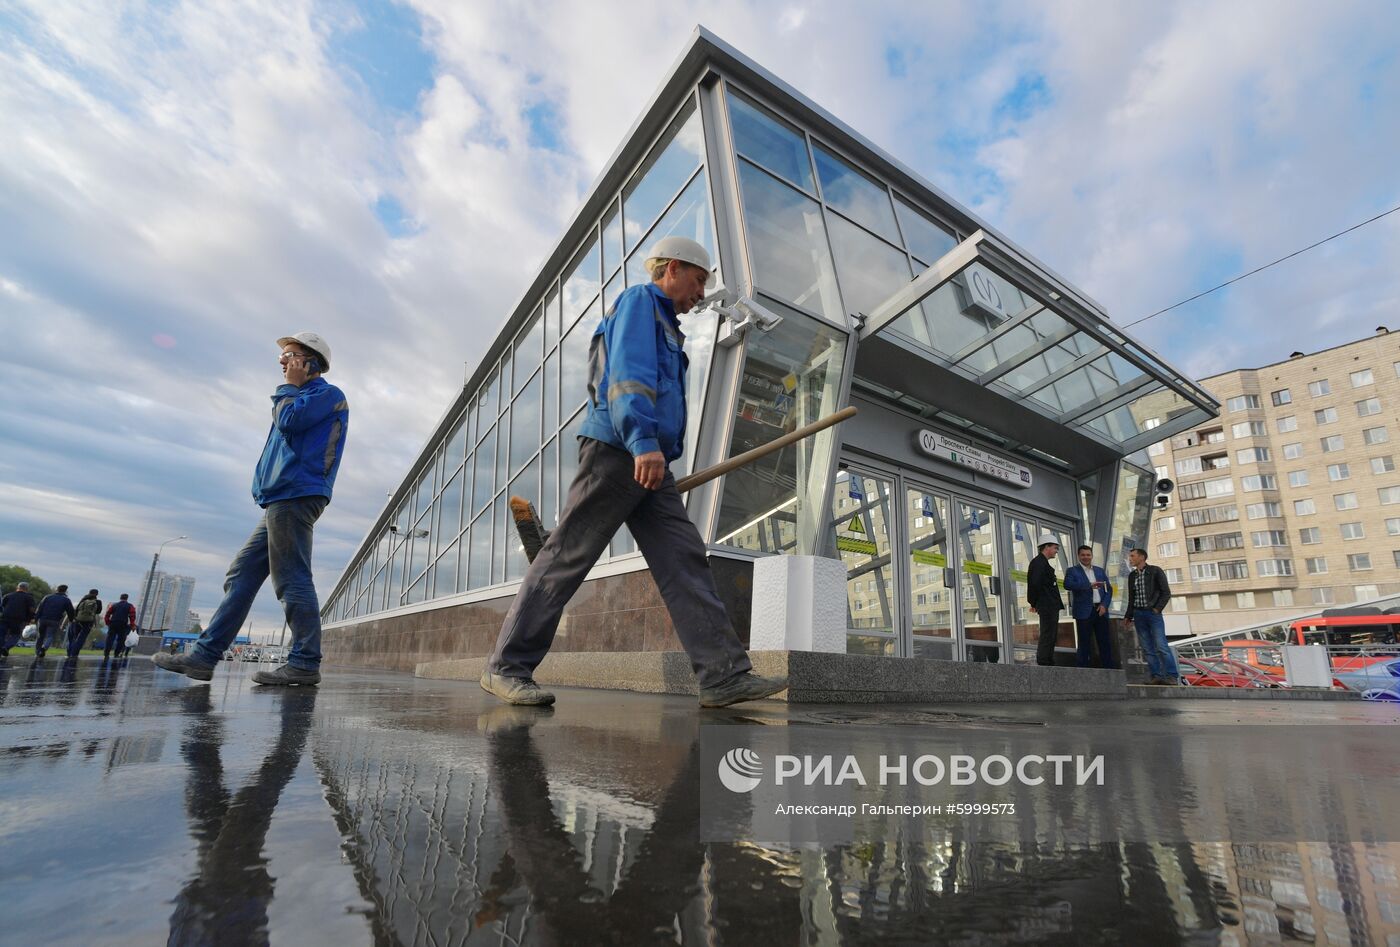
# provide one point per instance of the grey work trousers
(603, 496)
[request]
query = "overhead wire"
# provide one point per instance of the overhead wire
(1260, 269)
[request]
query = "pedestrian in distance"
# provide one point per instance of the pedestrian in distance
(1090, 597)
(17, 609)
(49, 616)
(635, 427)
(1043, 596)
(292, 483)
(1148, 595)
(120, 619)
(85, 615)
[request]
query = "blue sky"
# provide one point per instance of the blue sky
(182, 183)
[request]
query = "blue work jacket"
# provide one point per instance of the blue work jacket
(305, 444)
(636, 375)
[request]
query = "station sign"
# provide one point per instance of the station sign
(954, 451)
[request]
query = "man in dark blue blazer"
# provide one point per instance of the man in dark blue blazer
(1090, 595)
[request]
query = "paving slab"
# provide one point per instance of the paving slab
(140, 807)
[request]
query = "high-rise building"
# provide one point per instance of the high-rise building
(1290, 500)
(169, 599)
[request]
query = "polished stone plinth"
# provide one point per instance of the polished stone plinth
(817, 677)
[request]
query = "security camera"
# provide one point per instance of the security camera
(720, 297)
(764, 318)
(743, 314)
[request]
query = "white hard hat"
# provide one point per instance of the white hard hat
(315, 343)
(685, 250)
(1046, 539)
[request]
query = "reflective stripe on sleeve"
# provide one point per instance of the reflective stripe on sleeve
(619, 388)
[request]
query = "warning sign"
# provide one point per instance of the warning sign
(863, 546)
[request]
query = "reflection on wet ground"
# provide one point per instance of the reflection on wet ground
(384, 809)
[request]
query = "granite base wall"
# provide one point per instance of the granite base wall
(612, 614)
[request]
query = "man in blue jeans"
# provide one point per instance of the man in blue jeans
(1148, 594)
(292, 483)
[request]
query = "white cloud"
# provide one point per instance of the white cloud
(205, 171)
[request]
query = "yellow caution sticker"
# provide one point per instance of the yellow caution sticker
(977, 568)
(854, 525)
(926, 558)
(864, 546)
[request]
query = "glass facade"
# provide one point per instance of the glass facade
(517, 433)
(829, 243)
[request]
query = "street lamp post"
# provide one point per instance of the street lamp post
(151, 577)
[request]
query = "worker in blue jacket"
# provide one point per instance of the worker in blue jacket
(1090, 597)
(634, 429)
(292, 483)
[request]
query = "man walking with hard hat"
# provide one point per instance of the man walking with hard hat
(292, 483)
(634, 429)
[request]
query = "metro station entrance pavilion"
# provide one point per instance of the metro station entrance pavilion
(997, 402)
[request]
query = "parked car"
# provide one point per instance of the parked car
(1377, 681)
(1221, 672)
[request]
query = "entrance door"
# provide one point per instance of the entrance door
(979, 582)
(932, 582)
(1023, 534)
(934, 574)
(863, 513)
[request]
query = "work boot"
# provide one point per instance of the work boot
(186, 664)
(516, 690)
(288, 675)
(741, 687)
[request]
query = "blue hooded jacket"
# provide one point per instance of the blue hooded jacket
(305, 444)
(636, 376)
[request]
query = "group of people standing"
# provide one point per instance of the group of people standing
(1091, 596)
(19, 608)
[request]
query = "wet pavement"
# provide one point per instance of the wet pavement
(138, 807)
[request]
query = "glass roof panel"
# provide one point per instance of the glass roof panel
(1127, 421)
(1025, 336)
(943, 323)
(1020, 339)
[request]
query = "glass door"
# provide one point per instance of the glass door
(979, 583)
(1065, 637)
(932, 587)
(862, 522)
(1025, 624)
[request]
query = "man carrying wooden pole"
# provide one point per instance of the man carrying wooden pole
(635, 427)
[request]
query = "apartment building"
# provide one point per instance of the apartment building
(1290, 500)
